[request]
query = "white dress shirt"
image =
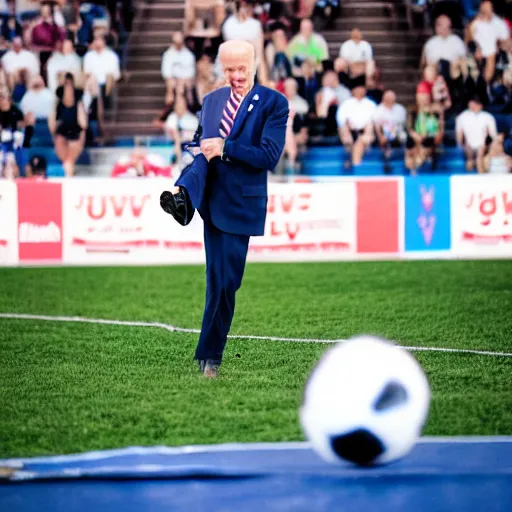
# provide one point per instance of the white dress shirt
(25, 59)
(358, 113)
(356, 52)
(101, 64)
(40, 103)
(451, 48)
(178, 64)
(488, 33)
(476, 127)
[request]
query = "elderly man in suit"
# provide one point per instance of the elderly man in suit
(243, 128)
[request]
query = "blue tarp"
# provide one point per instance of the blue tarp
(466, 474)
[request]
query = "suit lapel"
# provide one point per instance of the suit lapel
(243, 110)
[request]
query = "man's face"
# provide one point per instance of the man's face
(306, 28)
(443, 26)
(177, 40)
(356, 35)
(46, 12)
(99, 44)
(17, 44)
(486, 9)
(244, 11)
(238, 70)
(359, 92)
(67, 47)
(389, 99)
(474, 106)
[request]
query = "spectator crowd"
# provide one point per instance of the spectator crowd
(463, 96)
(62, 60)
(59, 66)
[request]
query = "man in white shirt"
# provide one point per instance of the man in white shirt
(358, 54)
(62, 62)
(355, 121)
(178, 68)
(242, 26)
(103, 63)
(473, 128)
(488, 31)
(17, 60)
(390, 119)
(444, 45)
(38, 100)
(297, 131)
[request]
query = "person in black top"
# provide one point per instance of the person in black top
(15, 135)
(68, 123)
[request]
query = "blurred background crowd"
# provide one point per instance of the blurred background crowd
(64, 62)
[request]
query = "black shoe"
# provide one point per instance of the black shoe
(178, 205)
(211, 369)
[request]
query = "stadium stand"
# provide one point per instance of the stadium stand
(142, 69)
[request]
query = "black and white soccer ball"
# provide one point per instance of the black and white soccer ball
(365, 402)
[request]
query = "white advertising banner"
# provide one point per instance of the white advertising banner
(8, 223)
(307, 221)
(481, 213)
(120, 222)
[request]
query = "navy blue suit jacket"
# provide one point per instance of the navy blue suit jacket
(232, 192)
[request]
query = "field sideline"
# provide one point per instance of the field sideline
(70, 387)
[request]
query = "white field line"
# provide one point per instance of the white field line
(222, 448)
(173, 328)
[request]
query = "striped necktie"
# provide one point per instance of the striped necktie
(229, 113)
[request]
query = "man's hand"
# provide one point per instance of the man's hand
(212, 147)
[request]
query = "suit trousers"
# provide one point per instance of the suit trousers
(226, 254)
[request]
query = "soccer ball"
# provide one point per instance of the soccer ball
(365, 402)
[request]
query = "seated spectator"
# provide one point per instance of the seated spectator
(488, 31)
(178, 69)
(11, 29)
(276, 56)
(297, 128)
(18, 59)
(44, 33)
(445, 49)
(295, 101)
(390, 121)
(309, 82)
(307, 45)
(38, 100)
(242, 26)
(180, 125)
(473, 129)
(358, 54)
(435, 86)
(497, 161)
(425, 133)
(16, 133)
(203, 21)
(103, 63)
(355, 121)
(93, 106)
(328, 98)
(204, 83)
(63, 60)
(67, 124)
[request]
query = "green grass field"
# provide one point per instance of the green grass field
(75, 387)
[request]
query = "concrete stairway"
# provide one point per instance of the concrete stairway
(397, 51)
